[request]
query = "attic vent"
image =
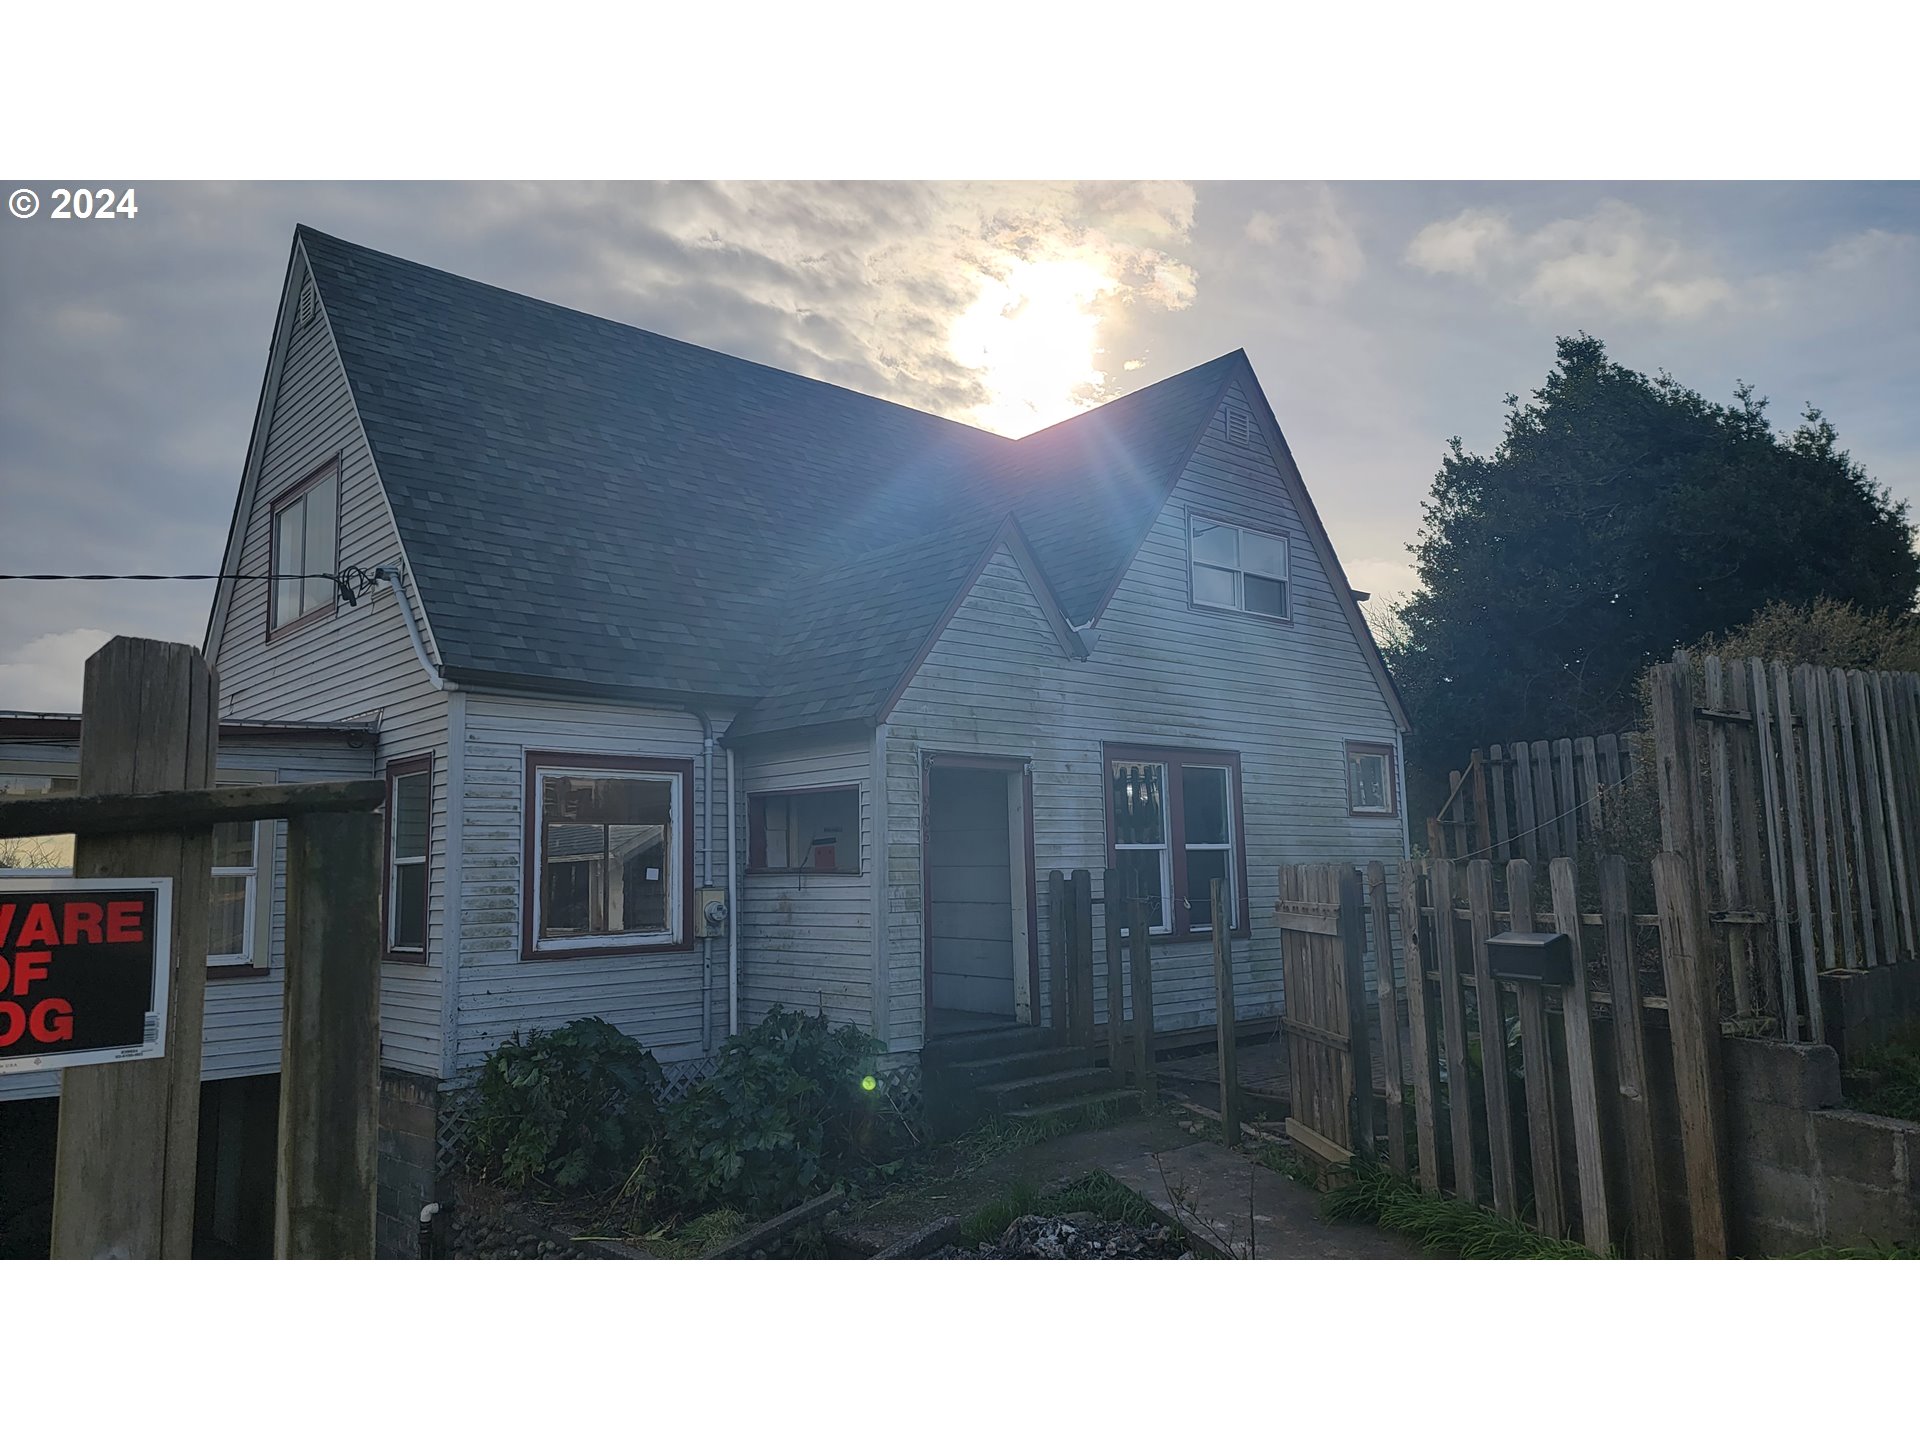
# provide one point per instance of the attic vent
(1239, 427)
(309, 303)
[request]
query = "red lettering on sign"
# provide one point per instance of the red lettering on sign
(52, 1020)
(123, 921)
(29, 966)
(39, 927)
(83, 922)
(13, 1022)
(6, 922)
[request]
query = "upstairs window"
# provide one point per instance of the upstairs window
(1370, 787)
(1173, 829)
(1235, 568)
(305, 523)
(409, 822)
(609, 866)
(802, 831)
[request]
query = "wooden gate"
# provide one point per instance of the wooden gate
(1322, 925)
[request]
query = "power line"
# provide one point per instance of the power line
(318, 576)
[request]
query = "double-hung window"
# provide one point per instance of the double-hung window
(409, 823)
(234, 917)
(608, 866)
(1235, 568)
(1174, 828)
(304, 526)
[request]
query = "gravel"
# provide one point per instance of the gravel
(498, 1238)
(1073, 1237)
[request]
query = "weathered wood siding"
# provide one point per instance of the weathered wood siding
(659, 996)
(806, 941)
(242, 1034)
(358, 665)
(1286, 696)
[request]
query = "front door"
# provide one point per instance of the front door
(977, 895)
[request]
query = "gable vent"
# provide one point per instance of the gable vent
(1239, 427)
(309, 304)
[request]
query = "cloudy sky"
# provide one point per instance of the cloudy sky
(1382, 319)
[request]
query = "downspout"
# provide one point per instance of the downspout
(706, 878)
(733, 916)
(393, 577)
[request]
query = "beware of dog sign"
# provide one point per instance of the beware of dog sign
(84, 966)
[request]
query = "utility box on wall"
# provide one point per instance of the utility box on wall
(709, 912)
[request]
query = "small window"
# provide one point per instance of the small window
(1370, 787)
(304, 525)
(805, 830)
(609, 867)
(236, 895)
(409, 823)
(1235, 568)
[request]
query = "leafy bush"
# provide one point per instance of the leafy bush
(574, 1108)
(783, 1118)
(1885, 1080)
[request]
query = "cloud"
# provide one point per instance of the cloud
(1313, 245)
(1869, 250)
(44, 673)
(1610, 262)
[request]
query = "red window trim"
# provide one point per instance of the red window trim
(536, 760)
(286, 498)
(410, 765)
(1373, 747)
(757, 831)
(1173, 758)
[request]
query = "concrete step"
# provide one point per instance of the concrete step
(948, 1050)
(996, 1069)
(1037, 1089)
(1113, 1102)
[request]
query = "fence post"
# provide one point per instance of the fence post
(1582, 1086)
(1353, 939)
(1223, 1016)
(1630, 1060)
(1141, 947)
(1116, 981)
(1693, 1009)
(1419, 1029)
(129, 1133)
(1081, 991)
(330, 1050)
(1536, 1059)
(1059, 947)
(1389, 993)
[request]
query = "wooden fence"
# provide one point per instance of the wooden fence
(1127, 953)
(1794, 794)
(1561, 1131)
(1533, 799)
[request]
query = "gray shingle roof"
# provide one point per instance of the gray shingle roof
(588, 504)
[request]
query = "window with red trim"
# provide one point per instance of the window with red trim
(1173, 827)
(804, 831)
(303, 531)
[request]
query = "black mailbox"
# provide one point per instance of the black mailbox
(1545, 956)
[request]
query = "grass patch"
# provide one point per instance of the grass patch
(1860, 1252)
(997, 1135)
(1097, 1193)
(1442, 1225)
(1885, 1080)
(693, 1239)
(1287, 1162)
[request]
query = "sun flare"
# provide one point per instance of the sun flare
(1034, 334)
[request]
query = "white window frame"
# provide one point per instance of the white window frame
(395, 860)
(1165, 847)
(1238, 570)
(300, 499)
(1372, 750)
(245, 959)
(1233, 868)
(675, 858)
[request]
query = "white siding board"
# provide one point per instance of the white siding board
(1287, 697)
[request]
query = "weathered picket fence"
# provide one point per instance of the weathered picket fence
(1532, 799)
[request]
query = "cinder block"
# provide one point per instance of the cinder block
(1806, 1077)
(1759, 1238)
(1864, 1214)
(1766, 1134)
(1865, 1149)
(1780, 1197)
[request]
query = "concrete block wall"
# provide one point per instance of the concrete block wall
(1804, 1172)
(404, 1179)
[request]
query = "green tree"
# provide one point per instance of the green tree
(1620, 516)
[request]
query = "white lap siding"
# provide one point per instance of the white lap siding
(1287, 697)
(806, 941)
(357, 665)
(661, 998)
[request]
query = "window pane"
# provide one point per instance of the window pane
(410, 907)
(1368, 779)
(1213, 587)
(413, 810)
(1266, 597)
(1203, 868)
(1263, 555)
(1215, 544)
(288, 545)
(637, 881)
(321, 507)
(776, 821)
(1140, 873)
(565, 903)
(36, 852)
(826, 830)
(233, 845)
(1139, 807)
(1203, 804)
(227, 922)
